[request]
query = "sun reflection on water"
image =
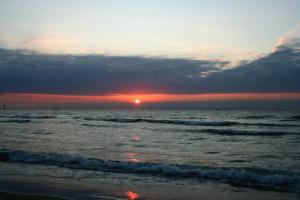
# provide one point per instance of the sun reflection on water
(132, 195)
(135, 138)
(132, 157)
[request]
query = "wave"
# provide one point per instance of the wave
(32, 117)
(258, 116)
(295, 117)
(185, 122)
(40, 132)
(291, 118)
(255, 177)
(269, 124)
(16, 121)
(96, 125)
(242, 132)
(162, 121)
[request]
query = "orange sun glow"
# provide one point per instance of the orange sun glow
(137, 101)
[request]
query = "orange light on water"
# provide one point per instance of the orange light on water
(133, 157)
(134, 160)
(132, 195)
(135, 138)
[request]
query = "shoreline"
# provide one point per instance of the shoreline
(17, 196)
(18, 187)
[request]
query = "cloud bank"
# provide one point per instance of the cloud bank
(25, 72)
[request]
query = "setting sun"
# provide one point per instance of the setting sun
(137, 101)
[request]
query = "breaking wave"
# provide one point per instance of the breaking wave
(253, 177)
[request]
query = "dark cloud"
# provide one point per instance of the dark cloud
(276, 72)
(95, 74)
(21, 71)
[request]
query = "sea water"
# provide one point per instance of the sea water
(155, 153)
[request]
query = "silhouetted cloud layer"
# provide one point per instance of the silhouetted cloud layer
(25, 72)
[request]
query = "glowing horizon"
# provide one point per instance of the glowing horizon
(28, 99)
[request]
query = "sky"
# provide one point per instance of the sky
(159, 51)
(230, 29)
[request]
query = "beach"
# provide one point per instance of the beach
(11, 196)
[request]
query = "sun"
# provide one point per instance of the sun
(137, 102)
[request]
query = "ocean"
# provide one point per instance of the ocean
(151, 154)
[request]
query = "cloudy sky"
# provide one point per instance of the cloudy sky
(92, 51)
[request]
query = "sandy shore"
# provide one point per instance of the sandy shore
(16, 187)
(11, 196)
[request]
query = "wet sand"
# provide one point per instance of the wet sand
(15, 187)
(18, 187)
(11, 196)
